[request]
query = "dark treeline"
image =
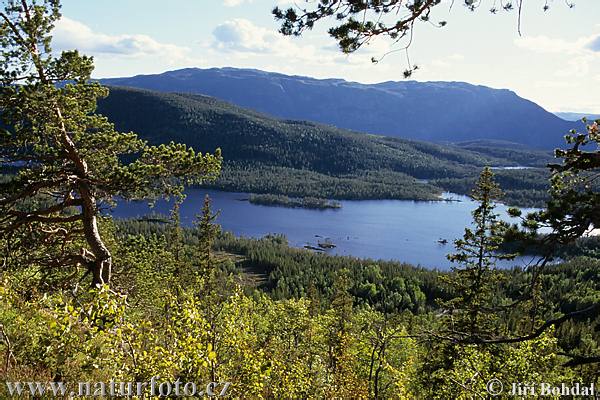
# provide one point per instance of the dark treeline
(522, 187)
(293, 273)
(509, 151)
(293, 202)
(380, 184)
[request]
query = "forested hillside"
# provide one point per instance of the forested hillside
(432, 111)
(267, 155)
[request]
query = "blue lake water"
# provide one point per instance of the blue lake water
(401, 230)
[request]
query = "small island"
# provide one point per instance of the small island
(293, 202)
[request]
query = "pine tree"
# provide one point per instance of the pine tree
(176, 232)
(70, 159)
(476, 279)
(213, 288)
(207, 234)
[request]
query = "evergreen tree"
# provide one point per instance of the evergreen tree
(208, 232)
(71, 160)
(475, 280)
(176, 232)
(213, 287)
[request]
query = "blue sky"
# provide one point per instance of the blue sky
(556, 62)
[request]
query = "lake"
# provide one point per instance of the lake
(401, 230)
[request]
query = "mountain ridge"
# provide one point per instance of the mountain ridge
(264, 154)
(434, 111)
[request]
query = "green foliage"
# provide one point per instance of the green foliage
(71, 159)
(464, 371)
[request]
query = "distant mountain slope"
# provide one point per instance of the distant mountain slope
(431, 111)
(264, 154)
(573, 116)
(249, 137)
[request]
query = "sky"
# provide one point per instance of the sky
(555, 62)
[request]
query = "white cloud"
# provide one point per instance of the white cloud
(448, 61)
(545, 44)
(582, 53)
(242, 36)
(555, 84)
(70, 34)
(234, 3)
(577, 66)
(284, 3)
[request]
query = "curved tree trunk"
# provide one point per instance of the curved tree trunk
(102, 264)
